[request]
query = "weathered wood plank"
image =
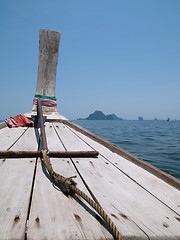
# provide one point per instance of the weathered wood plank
(52, 214)
(125, 154)
(16, 178)
(48, 57)
(156, 186)
(3, 125)
(8, 136)
(121, 197)
(29, 141)
(126, 226)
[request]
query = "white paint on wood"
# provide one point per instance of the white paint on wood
(121, 197)
(15, 181)
(157, 187)
(55, 216)
(16, 177)
(28, 142)
(48, 115)
(53, 142)
(126, 226)
(9, 135)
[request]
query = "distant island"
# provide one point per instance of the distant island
(99, 115)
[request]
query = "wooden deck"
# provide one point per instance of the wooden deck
(142, 205)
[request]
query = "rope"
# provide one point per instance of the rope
(69, 188)
(45, 102)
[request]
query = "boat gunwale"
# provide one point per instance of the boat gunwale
(3, 125)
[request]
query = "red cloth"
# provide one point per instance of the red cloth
(46, 102)
(11, 123)
(26, 121)
(19, 121)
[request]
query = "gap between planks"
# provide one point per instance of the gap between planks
(73, 142)
(56, 202)
(149, 182)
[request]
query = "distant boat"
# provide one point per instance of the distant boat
(168, 119)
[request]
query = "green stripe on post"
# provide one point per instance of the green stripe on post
(45, 97)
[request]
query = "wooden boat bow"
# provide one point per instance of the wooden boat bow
(142, 201)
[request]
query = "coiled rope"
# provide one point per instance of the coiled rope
(69, 188)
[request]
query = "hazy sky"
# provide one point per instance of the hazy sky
(118, 56)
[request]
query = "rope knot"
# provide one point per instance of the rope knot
(68, 184)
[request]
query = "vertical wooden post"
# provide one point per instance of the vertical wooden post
(48, 57)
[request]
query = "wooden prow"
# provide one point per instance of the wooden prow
(48, 57)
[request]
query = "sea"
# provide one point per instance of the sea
(157, 142)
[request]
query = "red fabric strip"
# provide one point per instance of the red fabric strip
(19, 121)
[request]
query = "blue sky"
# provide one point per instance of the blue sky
(118, 56)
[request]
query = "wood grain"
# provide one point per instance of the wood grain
(16, 177)
(48, 57)
(55, 216)
(153, 184)
(8, 136)
(125, 154)
(120, 196)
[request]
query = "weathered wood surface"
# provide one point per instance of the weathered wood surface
(141, 205)
(57, 154)
(156, 186)
(32, 207)
(9, 136)
(3, 125)
(16, 178)
(121, 197)
(48, 57)
(55, 216)
(125, 154)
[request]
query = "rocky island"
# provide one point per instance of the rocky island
(99, 115)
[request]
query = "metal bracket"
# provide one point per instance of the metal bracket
(36, 122)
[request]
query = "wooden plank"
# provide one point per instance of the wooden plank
(156, 186)
(122, 197)
(48, 57)
(3, 125)
(71, 141)
(125, 154)
(52, 214)
(16, 178)
(8, 136)
(29, 141)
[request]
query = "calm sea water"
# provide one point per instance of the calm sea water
(157, 142)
